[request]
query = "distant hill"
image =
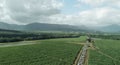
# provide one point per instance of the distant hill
(11, 26)
(59, 27)
(111, 28)
(43, 27)
(52, 27)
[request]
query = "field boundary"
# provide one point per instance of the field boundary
(83, 58)
(100, 52)
(87, 58)
(77, 57)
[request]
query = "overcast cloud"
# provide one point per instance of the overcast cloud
(99, 12)
(27, 11)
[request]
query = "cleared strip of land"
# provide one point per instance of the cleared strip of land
(17, 43)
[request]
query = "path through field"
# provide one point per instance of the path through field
(17, 43)
(102, 53)
(83, 55)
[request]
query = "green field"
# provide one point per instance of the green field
(107, 53)
(44, 52)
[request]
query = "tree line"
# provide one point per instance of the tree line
(114, 37)
(15, 37)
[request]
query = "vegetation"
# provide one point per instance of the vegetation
(45, 52)
(14, 36)
(106, 53)
(114, 37)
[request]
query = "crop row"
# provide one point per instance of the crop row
(107, 53)
(45, 52)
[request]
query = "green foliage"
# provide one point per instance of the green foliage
(20, 36)
(114, 37)
(110, 53)
(45, 52)
(10, 39)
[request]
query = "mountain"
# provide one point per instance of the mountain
(52, 27)
(110, 28)
(114, 28)
(11, 26)
(42, 27)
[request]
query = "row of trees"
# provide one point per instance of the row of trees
(114, 37)
(14, 37)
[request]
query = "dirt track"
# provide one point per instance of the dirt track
(17, 43)
(82, 57)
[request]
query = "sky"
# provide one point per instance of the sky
(73, 12)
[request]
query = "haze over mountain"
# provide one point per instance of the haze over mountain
(42, 27)
(74, 12)
(11, 26)
(111, 28)
(58, 27)
(62, 15)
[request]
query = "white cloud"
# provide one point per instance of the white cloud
(101, 16)
(94, 17)
(27, 11)
(99, 12)
(91, 2)
(46, 11)
(96, 3)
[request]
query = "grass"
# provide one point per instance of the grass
(109, 53)
(45, 52)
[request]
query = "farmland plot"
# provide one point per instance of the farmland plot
(107, 53)
(48, 52)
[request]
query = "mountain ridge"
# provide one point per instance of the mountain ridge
(41, 27)
(58, 27)
(111, 28)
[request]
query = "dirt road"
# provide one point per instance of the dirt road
(17, 43)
